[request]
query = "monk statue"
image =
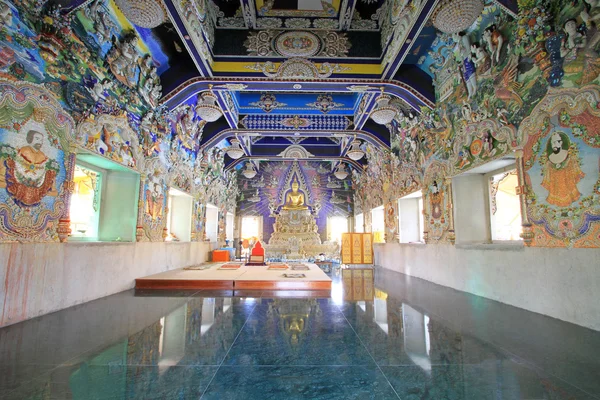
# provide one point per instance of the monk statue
(294, 200)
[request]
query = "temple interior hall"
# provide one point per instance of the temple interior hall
(269, 199)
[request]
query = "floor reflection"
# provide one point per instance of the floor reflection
(379, 336)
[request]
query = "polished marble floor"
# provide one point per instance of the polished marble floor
(408, 339)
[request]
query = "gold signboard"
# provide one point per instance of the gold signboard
(357, 248)
(346, 248)
(367, 249)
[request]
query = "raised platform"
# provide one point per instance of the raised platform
(244, 278)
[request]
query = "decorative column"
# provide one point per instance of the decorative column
(425, 191)
(368, 221)
(450, 210)
(521, 190)
(222, 228)
(64, 222)
(139, 229)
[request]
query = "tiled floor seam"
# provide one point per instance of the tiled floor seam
(368, 352)
(229, 349)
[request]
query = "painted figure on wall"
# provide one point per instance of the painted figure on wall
(561, 170)
(436, 201)
(155, 197)
(28, 174)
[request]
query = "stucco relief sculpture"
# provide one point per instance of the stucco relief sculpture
(123, 60)
(111, 137)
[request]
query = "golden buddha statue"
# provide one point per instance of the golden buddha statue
(294, 200)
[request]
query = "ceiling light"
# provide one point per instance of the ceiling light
(235, 151)
(453, 16)
(249, 172)
(355, 153)
(340, 172)
(207, 109)
(384, 113)
(144, 13)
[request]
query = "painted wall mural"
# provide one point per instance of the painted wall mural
(524, 88)
(561, 161)
(36, 164)
(89, 82)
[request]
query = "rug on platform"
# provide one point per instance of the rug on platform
(200, 267)
(278, 266)
(230, 266)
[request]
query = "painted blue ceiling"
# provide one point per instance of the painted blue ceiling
(287, 103)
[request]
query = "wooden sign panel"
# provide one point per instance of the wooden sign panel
(346, 248)
(357, 253)
(357, 248)
(367, 245)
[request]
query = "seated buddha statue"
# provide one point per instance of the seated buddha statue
(294, 200)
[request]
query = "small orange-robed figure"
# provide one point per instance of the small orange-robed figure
(561, 171)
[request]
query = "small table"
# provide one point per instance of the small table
(325, 265)
(220, 255)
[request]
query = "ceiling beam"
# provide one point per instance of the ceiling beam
(226, 133)
(399, 89)
(203, 66)
(255, 160)
(391, 68)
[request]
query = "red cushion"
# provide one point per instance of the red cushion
(258, 250)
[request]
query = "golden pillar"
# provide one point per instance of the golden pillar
(521, 190)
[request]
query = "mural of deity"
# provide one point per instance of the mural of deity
(436, 201)
(561, 171)
(155, 197)
(28, 174)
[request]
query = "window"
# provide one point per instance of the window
(486, 206)
(505, 208)
(229, 226)
(250, 228)
(104, 204)
(335, 227)
(212, 222)
(410, 218)
(85, 203)
(359, 223)
(179, 217)
(378, 224)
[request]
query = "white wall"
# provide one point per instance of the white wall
(561, 283)
(44, 277)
